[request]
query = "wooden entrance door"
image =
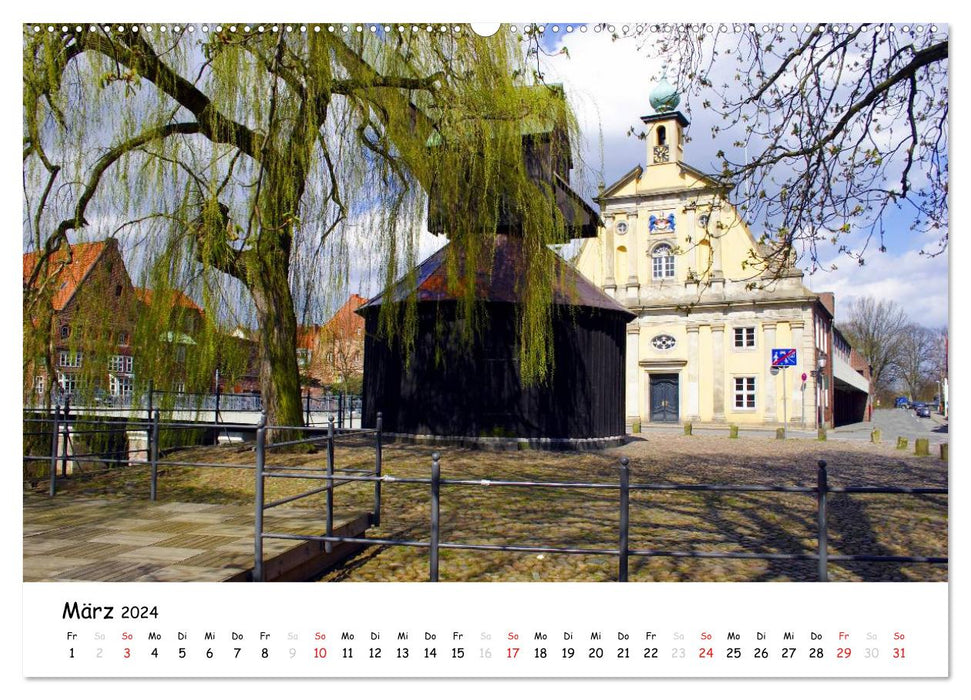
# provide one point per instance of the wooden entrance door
(664, 398)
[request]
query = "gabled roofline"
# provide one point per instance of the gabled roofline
(105, 244)
(636, 171)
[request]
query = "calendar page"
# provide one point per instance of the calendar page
(360, 350)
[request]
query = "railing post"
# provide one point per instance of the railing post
(329, 546)
(67, 435)
(433, 550)
(340, 410)
(151, 391)
(376, 518)
(822, 487)
(624, 517)
(258, 523)
(153, 453)
(308, 406)
(55, 441)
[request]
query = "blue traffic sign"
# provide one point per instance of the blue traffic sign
(783, 357)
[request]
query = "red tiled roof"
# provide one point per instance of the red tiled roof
(173, 296)
(307, 336)
(343, 322)
(70, 276)
(345, 318)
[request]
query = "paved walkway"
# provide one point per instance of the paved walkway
(893, 423)
(72, 539)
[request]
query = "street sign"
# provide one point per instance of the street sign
(783, 357)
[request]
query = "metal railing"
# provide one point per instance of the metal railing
(62, 428)
(623, 486)
(345, 407)
(59, 427)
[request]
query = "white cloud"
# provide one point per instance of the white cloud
(917, 283)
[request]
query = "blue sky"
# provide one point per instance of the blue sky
(608, 83)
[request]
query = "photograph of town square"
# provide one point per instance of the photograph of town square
(435, 302)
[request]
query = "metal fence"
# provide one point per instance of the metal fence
(344, 407)
(623, 486)
(64, 432)
(56, 429)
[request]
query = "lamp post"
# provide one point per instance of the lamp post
(818, 376)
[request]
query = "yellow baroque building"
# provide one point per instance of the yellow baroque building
(674, 252)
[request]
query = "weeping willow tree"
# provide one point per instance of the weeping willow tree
(250, 149)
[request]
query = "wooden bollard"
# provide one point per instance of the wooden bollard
(922, 447)
(821, 434)
(943, 447)
(901, 443)
(780, 433)
(733, 431)
(635, 426)
(687, 428)
(875, 435)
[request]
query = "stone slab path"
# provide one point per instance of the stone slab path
(101, 539)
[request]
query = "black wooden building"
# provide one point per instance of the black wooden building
(446, 388)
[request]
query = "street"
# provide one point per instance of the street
(894, 423)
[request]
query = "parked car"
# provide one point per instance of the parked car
(901, 402)
(923, 411)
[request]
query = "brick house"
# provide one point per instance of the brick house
(91, 313)
(333, 353)
(103, 331)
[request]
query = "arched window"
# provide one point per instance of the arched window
(65, 332)
(662, 136)
(663, 259)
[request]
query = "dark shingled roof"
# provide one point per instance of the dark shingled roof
(500, 282)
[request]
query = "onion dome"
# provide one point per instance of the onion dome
(664, 97)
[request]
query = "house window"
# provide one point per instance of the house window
(303, 357)
(39, 384)
(120, 363)
(120, 385)
(180, 354)
(65, 332)
(123, 338)
(663, 259)
(68, 382)
(744, 392)
(67, 358)
(117, 290)
(745, 337)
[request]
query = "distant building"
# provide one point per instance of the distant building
(107, 338)
(332, 355)
(673, 251)
(92, 304)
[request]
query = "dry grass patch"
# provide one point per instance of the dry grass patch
(586, 518)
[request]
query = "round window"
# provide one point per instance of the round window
(663, 342)
(621, 227)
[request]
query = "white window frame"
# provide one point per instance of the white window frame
(121, 385)
(662, 265)
(121, 363)
(70, 358)
(745, 333)
(68, 382)
(39, 384)
(747, 393)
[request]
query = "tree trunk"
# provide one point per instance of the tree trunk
(279, 376)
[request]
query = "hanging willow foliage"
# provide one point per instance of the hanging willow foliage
(240, 157)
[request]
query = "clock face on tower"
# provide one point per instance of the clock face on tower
(661, 154)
